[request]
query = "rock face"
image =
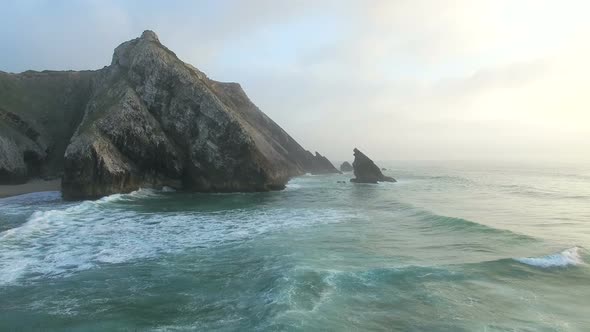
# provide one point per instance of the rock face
(39, 112)
(346, 167)
(366, 171)
(151, 120)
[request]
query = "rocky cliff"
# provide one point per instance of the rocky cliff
(147, 120)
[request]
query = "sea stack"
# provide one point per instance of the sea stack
(147, 120)
(346, 167)
(365, 170)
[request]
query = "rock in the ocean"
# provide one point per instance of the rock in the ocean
(147, 120)
(366, 171)
(346, 167)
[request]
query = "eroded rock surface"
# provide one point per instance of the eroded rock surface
(39, 112)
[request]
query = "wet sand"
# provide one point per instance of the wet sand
(29, 187)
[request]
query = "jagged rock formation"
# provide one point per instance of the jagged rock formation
(346, 167)
(320, 164)
(149, 120)
(365, 170)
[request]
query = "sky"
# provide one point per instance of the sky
(399, 79)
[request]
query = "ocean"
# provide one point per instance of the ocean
(452, 246)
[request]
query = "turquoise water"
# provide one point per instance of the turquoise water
(450, 247)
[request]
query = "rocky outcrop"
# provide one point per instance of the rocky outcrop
(346, 167)
(147, 120)
(365, 170)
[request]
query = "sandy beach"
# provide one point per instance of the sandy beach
(29, 187)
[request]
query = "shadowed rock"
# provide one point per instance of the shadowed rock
(346, 167)
(39, 112)
(365, 170)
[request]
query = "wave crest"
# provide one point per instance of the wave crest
(61, 242)
(571, 256)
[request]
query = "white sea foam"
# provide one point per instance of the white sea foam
(57, 243)
(140, 193)
(144, 193)
(167, 189)
(293, 186)
(565, 258)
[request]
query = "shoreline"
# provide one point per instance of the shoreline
(32, 186)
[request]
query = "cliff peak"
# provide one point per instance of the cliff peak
(146, 47)
(150, 35)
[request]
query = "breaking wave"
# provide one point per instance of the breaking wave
(60, 242)
(568, 257)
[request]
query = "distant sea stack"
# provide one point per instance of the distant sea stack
(365, 170)
(346, 167)
(147, 120)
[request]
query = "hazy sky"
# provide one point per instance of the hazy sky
(398, 79)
